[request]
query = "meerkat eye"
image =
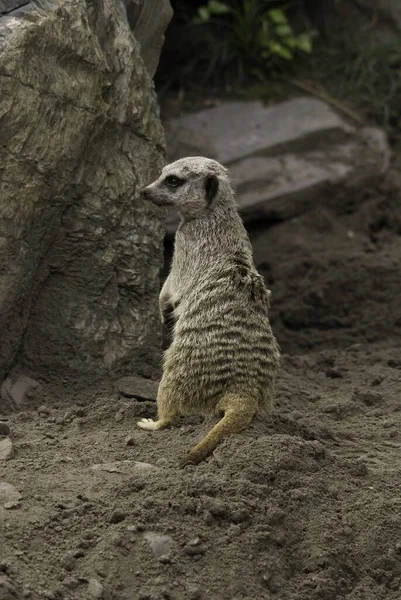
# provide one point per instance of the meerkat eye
(173, 181)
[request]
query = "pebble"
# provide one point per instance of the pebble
(358, 468)
(119, 416)
(12, 504)
(43, 411)
(95, 588)
(6, 449)
(130, 440)
(161, 545)
(195, 550)
(368, 397)
(68, 562)
(239, 516)
(217, 509)
(117, 516)
(20, 390)
(4, 429)
(333, 373)
(70, 582)
(8, 493)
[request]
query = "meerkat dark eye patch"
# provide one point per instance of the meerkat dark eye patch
(211, 187)
(173, 181)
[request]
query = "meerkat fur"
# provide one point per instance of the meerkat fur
(223, 358)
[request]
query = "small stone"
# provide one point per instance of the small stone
(20, 390)
(43, 411)
(130, 440)
(6, 449)
(70, 582)
(117, 516)
(358, 468)
(119, 416)
(11, 505)
(161, 545)
(8, 493)
(116, 539)
(68, 562)
(195, 542)
(239, 516)
(333, 373)
(208, 517)
(137, 387)
(4, 429)
(368, 397)
(95, 588)
(197, 550)
(217, 509)
(194, 593)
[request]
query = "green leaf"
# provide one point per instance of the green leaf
(218, 8)
(278, 16)
(280, 50)
(290, 41)
(283, 30)
(203, 14)
(304, 43)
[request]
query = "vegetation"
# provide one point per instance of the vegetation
(269, 49)
(232, 41)
(361, 72)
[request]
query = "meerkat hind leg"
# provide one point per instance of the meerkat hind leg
(167, 414)
(238, 413)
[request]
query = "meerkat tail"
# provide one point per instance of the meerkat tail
(238, 413)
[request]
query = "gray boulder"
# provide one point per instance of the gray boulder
(80, 252)
(281, 157)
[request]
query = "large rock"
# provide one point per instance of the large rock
(80, 252)
(281, 157)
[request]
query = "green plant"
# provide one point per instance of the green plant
(230, 42)
(248, 37)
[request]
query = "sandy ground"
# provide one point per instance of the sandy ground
(304, 505)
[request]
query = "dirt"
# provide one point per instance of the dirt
(304, 505)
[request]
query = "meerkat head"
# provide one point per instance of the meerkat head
(194, 185)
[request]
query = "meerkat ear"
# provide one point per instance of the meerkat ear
(211, 187)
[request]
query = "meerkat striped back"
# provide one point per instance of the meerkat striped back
(223, 341)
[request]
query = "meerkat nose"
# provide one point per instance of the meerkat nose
(145, 193)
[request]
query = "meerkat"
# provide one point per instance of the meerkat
(223, 358)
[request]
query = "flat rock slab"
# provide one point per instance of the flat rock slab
(282, 158)
(137, 387)
(234, 130)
